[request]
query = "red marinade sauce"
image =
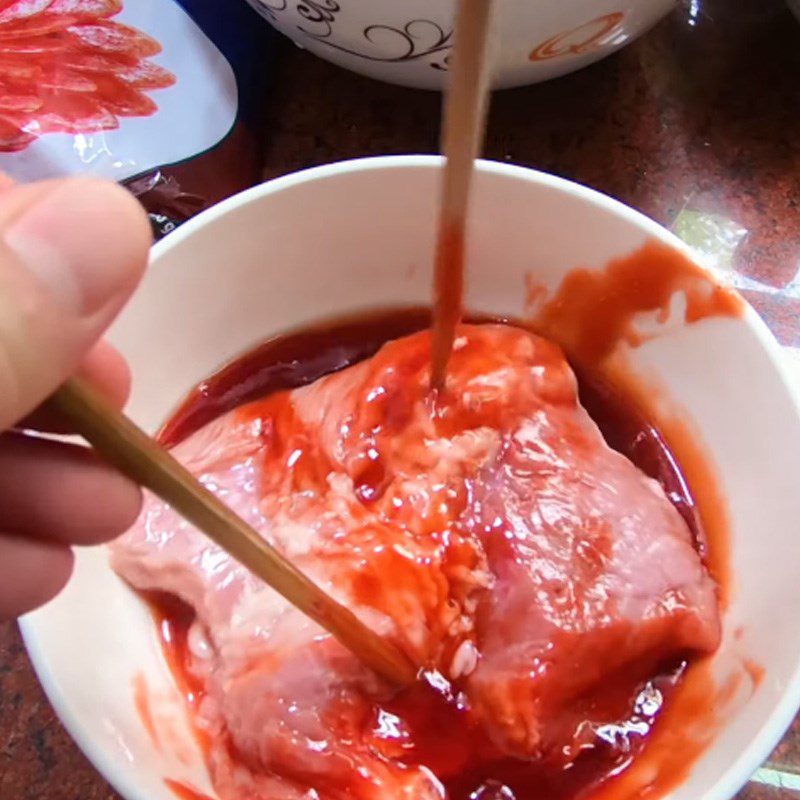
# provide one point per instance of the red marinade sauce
(445, 738)
(184, 792)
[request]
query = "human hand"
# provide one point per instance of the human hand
(71, 252)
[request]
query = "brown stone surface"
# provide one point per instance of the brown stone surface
(700, 115)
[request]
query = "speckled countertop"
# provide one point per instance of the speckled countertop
(696, 125)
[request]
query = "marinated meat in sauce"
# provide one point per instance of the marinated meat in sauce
(538, 576)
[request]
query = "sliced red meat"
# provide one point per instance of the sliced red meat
(145, 75)
(33, 46)
(114, 37)
(19, 69)
(19, 9)
(95, 9)
(12, 137)
(83, 59)
(22, 103)
(65, 80)
(77, 112)
(72, 69)
(488, 530)
(119, 98)
(38, 25)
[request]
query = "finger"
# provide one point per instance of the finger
(62, 493)
(71, 252)
(106, 369)
(31, 573)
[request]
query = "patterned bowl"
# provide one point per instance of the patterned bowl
(409, 42)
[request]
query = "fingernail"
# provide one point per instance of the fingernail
(63, 239)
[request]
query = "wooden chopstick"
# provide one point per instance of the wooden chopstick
(119, 441)
(133, 452)
(463, 126)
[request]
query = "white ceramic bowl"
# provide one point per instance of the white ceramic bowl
(359, 235)
(408, 42)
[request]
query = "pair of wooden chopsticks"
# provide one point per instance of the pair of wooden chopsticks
(138, 456)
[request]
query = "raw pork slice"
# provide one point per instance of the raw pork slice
(488, 530)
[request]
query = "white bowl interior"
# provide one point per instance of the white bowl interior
(359, 235)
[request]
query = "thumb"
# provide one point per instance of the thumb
(71, 252)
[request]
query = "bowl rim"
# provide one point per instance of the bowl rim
(761, 744)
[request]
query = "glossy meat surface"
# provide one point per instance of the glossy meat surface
(488, 530)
